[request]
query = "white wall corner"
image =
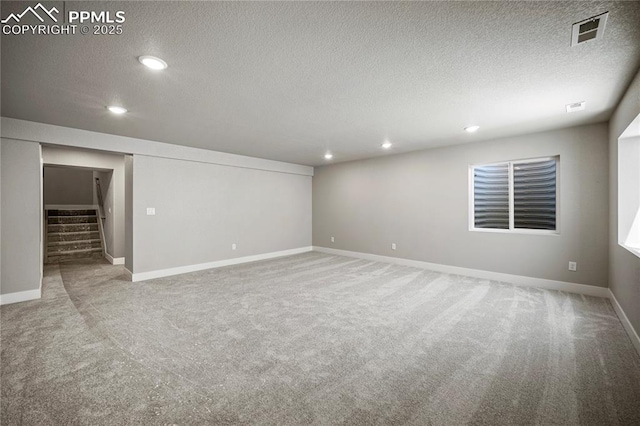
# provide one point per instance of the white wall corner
(20, 296)
(114, 260)
(633, 334)
(129, 274)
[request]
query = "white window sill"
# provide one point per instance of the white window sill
(516, 231)
(634, 250)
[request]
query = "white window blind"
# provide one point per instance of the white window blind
(491, 196)
(534, 192)
(516, 195)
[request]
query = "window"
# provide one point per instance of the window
(629, 188)
(519, 196)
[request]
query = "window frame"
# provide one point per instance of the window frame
(512, 229)
(628, 144)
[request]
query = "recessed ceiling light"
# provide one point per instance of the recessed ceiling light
(578, 106)
(471, 129)
(387, 145)
(153, 62)
(117, 109)
(328, 156)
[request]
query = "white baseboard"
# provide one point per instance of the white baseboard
(141, 276)
(20, 296)
(633, 335)
(129, 274)
(518, 280)
(114, 260)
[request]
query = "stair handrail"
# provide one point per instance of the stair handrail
(100, 200)
(103, 217)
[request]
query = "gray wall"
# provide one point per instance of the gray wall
(21, 220)
(624, 271)
(113, 190)
(420, 201)
(69, 137)
(128, 213)
(64, 185)
(202, 208)
(246, 177)
(1, 250)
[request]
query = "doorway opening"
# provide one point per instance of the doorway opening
(84, 205)
(74, 214)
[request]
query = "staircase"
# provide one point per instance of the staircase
(72, 234)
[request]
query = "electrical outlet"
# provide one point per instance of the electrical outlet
(234, 246)
(393, 246)
(573, 266)
(333, 239)
(151, 211)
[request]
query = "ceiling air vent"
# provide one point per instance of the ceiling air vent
(589, 29)
(578, 106)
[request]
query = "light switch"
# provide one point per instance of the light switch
(151, 211)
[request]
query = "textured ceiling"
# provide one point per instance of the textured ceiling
(288, 81)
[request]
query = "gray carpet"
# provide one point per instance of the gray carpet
(312, 339)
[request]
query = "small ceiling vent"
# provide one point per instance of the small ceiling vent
(589, 29)
(578, 106)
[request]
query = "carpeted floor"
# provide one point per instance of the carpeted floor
(312, 339)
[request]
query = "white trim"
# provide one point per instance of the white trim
(43, 223)
(141, 276)
(70, 207)
(510, 167)
(20, 296)
(633, 250)
(632, 130)
(518, 231)
(628, 185)
(633, 335)
(114, 260)
(128, 274)
(13, 128)
(518, 280)
(512, 198)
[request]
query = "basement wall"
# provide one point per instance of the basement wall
(20, 224)
(420, 201)
(128, 213)
(67, 186)
(624, 271)
(201, 209)
(204, 200)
